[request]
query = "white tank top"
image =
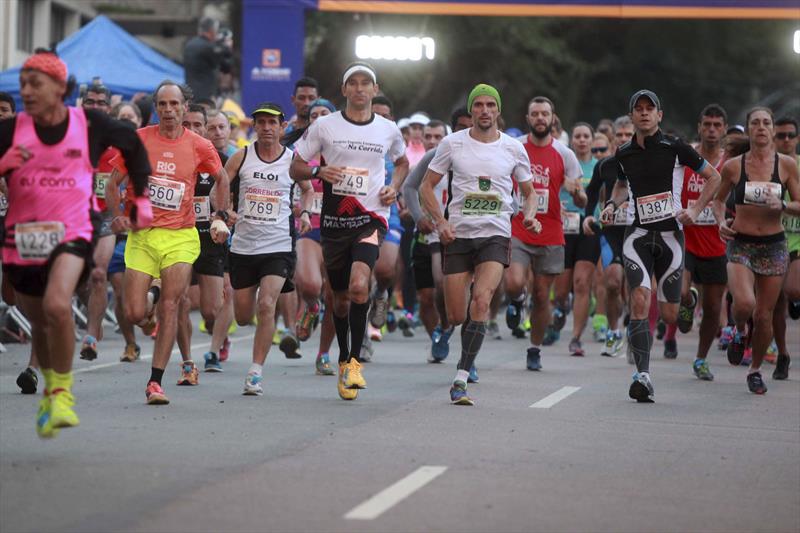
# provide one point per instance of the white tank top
(265, 224)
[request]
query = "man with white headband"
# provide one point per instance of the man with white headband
(355, 206)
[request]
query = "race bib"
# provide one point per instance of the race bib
(202, 209)
(756, 192)
(165, 193)
(620, 217)
(481, 204)
(654, 207)
(706, 216)
(355, 182)
(791, 224)
(36, 240)
(261, 209)
(100, 182)
(316, 205)
(571, 223)
(542, 200)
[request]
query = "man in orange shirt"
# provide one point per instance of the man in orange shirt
(169, 247)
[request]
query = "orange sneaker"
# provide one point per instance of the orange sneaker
(155, 394)
(189, 374)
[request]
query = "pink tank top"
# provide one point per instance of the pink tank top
(50, 195)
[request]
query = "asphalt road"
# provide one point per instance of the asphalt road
(704, 457)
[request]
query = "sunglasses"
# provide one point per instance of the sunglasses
(90, 101)
(599, 149)
(785, 135)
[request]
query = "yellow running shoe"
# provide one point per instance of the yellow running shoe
(345, 393)
(277, 337)
(44, 421)
(352, 376)
(61, 413)
(233, 327)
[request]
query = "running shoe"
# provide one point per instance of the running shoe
(794, 310)
(686, 313)
(203, 327)
(600, 335)
(44, 421)
(344, 392)
(551, 336)
(725, 337)
(613, 344)
(252, 385)
(534, 359)
(514, 314)
(212, 362)
(748, 357)
(518, 333)
(661, 329)
(771, 356)
(373, 333)
(306, 321)
(233, 327)
(781, 371)
(323, 365)
(352, 378)
(290, 346)
(458, 394)
(473, 374)
(436, 334)
(189, 374)
(155, 394)
(367, 351)
(406, 324)
(277, 337)
(575, 348)
(61, 413)
(736, 347)
(441, 348)
(391, 321)
(89, 348)
(27, 381)
(641, 389)
(755, 383)
(132, 353)
(378, 311)
(670, 349)
(153, 295)
(225, 351)
(493, 330)
(701, 370)
(559, 319)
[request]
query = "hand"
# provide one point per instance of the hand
(607, 215)
(446, 232)
(141, 213)
(687, 217)
(587, 225)
(773, 202)
(305, 223)
(387, 195)
(725, 231)
(532, 224)
(120, 224)
(572, 186)
(332, 175)
(219, 231)
(13, 159)
(425, 225)
(232, 217)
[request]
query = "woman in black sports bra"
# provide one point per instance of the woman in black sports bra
(757, 252)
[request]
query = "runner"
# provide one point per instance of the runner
(786, 144)
(648, 178)
(47, 154)
(262, 253)
(168, 248)
(427, 255)
(553, 166)
(757, 251)
(306, 90)
(705, 251)
(355, 206)
(475, 228)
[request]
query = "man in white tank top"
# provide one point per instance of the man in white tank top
(262, 256)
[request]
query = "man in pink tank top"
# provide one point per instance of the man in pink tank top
(47, 154)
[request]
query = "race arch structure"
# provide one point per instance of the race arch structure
(274, 30)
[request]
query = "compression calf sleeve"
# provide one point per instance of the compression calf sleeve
(472, 334)
(639, 339)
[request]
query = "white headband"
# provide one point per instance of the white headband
(359, 68)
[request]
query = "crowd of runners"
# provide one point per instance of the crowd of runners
(321, 219)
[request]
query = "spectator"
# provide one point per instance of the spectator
(7, 106)
(203, 56)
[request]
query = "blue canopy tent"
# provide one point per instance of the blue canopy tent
(101, 48)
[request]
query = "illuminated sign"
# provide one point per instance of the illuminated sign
(797, 42)
(395, 48)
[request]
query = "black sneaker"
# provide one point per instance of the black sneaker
(794, 310)
(781, 367)
(534, 361)
(670, 349)
(686, 313)
(514, 314)
(661, 329)
(736, 347)
(755, 383)
(27, 381)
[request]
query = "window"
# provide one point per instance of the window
(25, 25)
(58, 24)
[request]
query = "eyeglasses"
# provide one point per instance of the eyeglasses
(785, 135)
(92, 102)
(599, 149)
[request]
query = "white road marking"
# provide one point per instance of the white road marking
(549, 401)
(394, 494)
(149, 356)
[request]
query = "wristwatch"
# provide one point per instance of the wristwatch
(222, 214)
(314, 172)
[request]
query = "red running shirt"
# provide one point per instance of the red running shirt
(702, 238)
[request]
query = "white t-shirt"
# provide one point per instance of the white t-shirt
(482, 182)
(361, 147)
(264, 224)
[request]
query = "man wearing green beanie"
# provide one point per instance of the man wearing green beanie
(476, 233)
